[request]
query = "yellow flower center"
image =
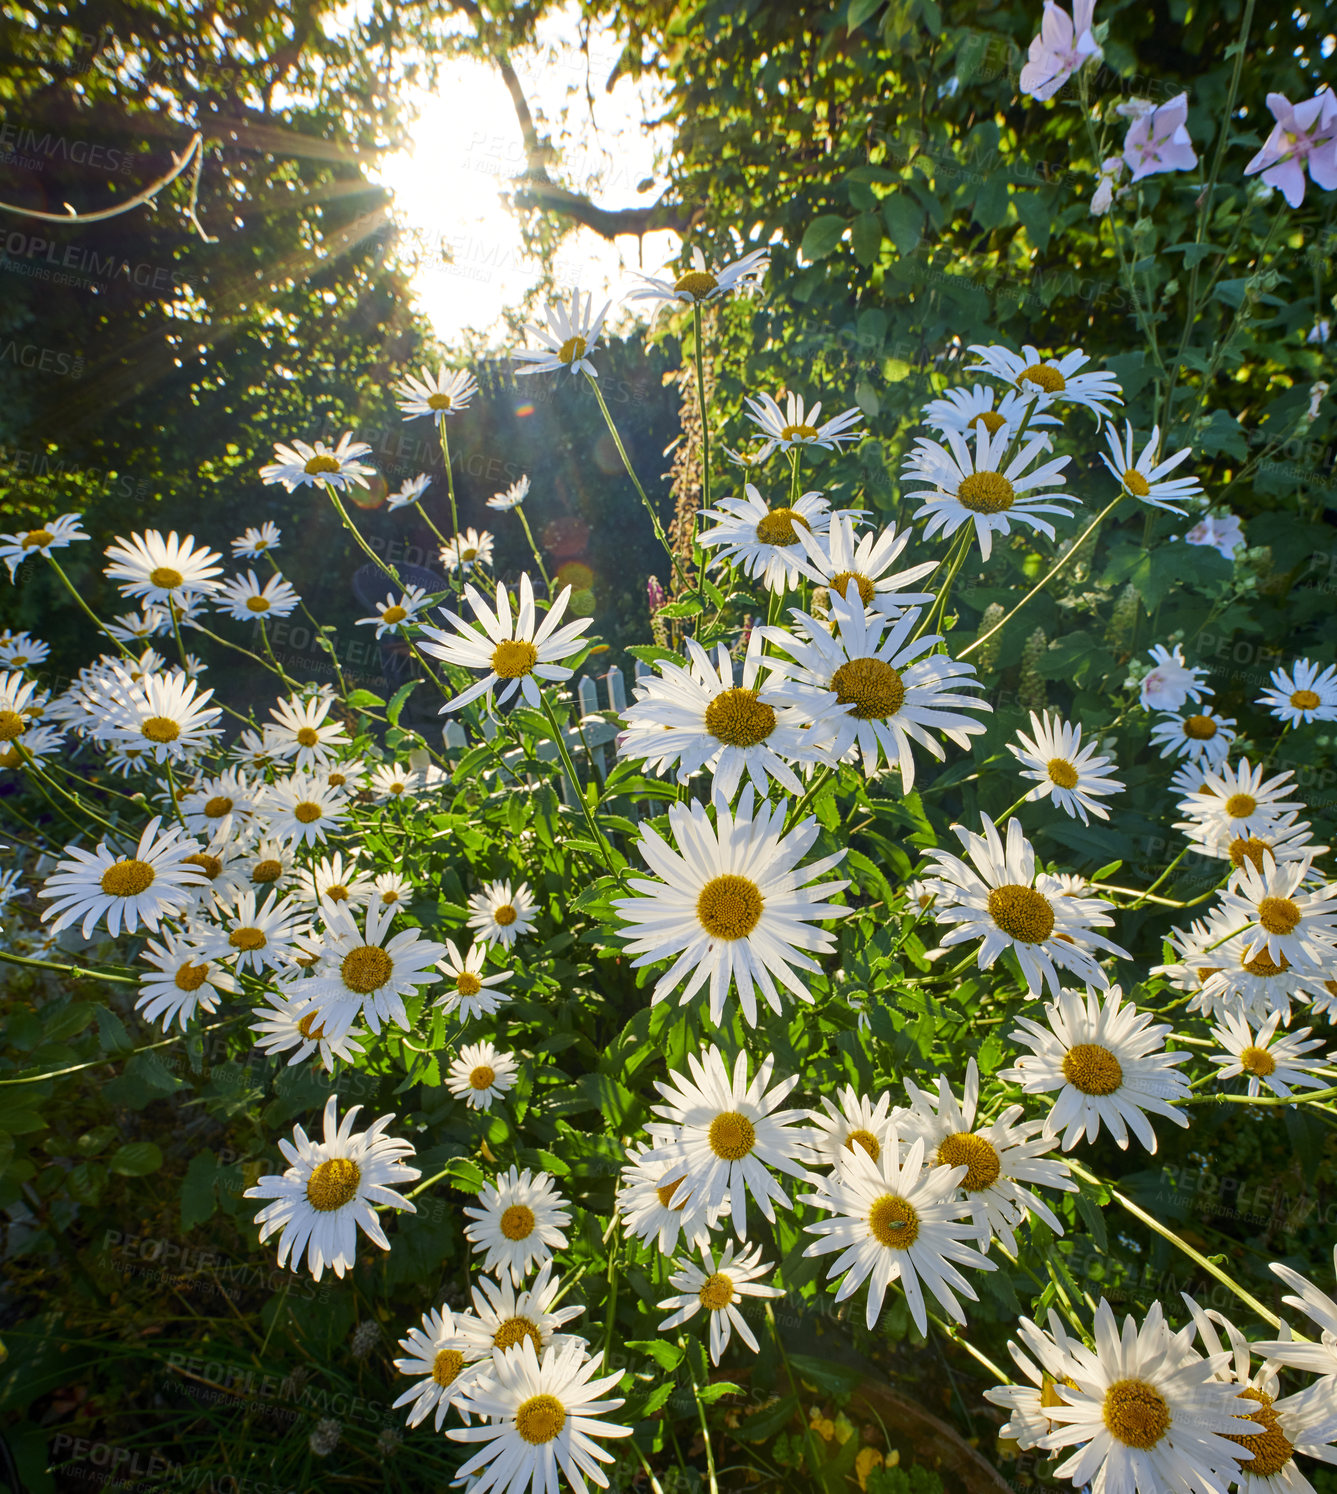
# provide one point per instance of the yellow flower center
(842, 579)
(1092, 1069)
(398, 788)
(337, 893)
(209, 865)
(541, 1417)
(866, 1140)
(893, 1222)
(514, 1331)
(1043, 376)
(1255, 1060)
(979, 1157)
(991, 420)
(1278, 915)
(778, 527)
(482, 1077)
(306, 813)
(257, 604)
(1251, 848)
(307, 1027)
(1136, 1413)
(267, 871)
(1305, 700)
(1199, 728)
(247, 939)
(1271, 1448)
(10, 757)
(517, 1222)
(505, 915)
(439, 401)
(729, 907)
(696, 283)
(985, 493)
(394, 614)
(716, 1292)
(165, 578)
(1136, 484)
(333, 1184)
(1062, 772)
(446, 1366)
(321, 463)
(469, 554)
(1241, 806)
(160, 729)
(666, 1192)
(467, 984)
(366, 969)
(308, 736)
(1263, 964)
(127, 878)
(738, 719)
(571, 349)
(11, 725)
(218, 806)
(1022, 913)
(35, 539)
(191, 977)
(801, 432)
(871, 686)
(732, 1136)
(514, 657)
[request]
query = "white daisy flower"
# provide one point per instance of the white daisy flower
(795, 426)
(302, 734)
(329, 1189)
(22, 651)
(719, 1288)
(649, 1206)
(302, 808)
(1305, 692)
(1188, 778)
(723, 1134)
(1171, 681)
(162, 570)
(256, 936)
(1050, 381)
(1283, 919)
(1145, 1413)
(467, 550)
(1062, 769)
(732, 904)
(410, 491)
(184, 980)
(301, 465)
(395, 615)
(151, 884)
(883, 688)
(695, 716)
(514, 648)
(1286, 839)
(1321, 1357)
(392, 781)
(223, 863)
(474, 994)
(896, 1220)
(851, 1120)
(217, 805)
(332, 880)
(1280, 1063)
(18, 698)
(268, 864)
(244, 598)
(291, 1020)
(1146, 479)
(1005, 902)
(966, 487)
(571, 335)
(364, 967)
(253, 750)
(256, 541)
(481, 1073)
(346, 773)
(1028, 1405)
(539, 1415)
(513, 497)
(1108, 1062)
(443, 1360)
(54, 534)
(33, 742)
(764, 541)
(436, 394)
(699, 284)
(499, 916)
(1236, 803)
(136, 627)
(965, 410)
(1202, 737)
(518, 1223)
(1005, 1160)
(506, 1314)
(837, 562)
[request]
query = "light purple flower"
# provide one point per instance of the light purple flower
(1305, 135)
(1171, 681)
(1063, 45)
(1158, 141)
(1222, 532)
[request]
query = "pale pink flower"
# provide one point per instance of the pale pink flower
(1305, 135)
(1063, 45)
(1171, 680)
(1222, 532)
(1158, 141)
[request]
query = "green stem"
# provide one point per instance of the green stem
(814, 1461)
(1009, 812)
(814, 788)
(450, 475)
(13, 959)
(352, 528)
(538, 559)
(596, 835)
(316, 633)
(704, 414)
(97, 622)
(705, 1429)
(938, 610)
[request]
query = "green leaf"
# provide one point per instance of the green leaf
(649, 653)
(360, 699)
(94, 1141)
(68, 1021)
(866, 238)
(397, 702)
(904, 217)
(688, 607)
(860, 10)
(668, 1356)
(198, 1202)
(136, 1159)
(989, 204)
(716, 1390)
(113, 1036)
(766, 1422)
(86, 1181)
(819, 238)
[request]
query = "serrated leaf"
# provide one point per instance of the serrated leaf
(668, 1356)
(136, 1159)
(392, 711)
(360, 699)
